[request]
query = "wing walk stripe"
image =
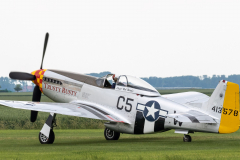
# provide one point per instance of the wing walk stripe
(95, 113)
(99, 110)
(192, 118)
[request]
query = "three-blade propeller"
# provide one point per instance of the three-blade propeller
(27, 76)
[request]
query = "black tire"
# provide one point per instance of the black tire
(51, 137)
(111, 135)
(44, 140)
(187, 138)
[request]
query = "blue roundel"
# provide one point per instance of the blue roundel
(151, 111)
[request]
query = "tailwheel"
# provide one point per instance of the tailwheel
(187, 138)
(111, 135)
(45, 140)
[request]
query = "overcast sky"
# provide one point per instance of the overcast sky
(133, 37)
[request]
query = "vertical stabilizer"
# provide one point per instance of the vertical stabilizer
(224, 105)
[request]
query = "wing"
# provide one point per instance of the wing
(77, 108)
(194, 116)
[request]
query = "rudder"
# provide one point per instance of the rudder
(230, 112)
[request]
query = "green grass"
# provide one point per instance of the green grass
(91, 144)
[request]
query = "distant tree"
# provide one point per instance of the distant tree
(205, 76)
(0, 86)
(18, 87)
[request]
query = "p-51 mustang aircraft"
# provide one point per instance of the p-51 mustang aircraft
(133, 106)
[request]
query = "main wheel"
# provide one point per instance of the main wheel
(111, 135)
(44, 140)
(187, 138)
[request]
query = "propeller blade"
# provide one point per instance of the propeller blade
(36, 98)
(44, 48)
(33, 117)
(22, 76)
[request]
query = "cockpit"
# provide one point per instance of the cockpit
(128, 83)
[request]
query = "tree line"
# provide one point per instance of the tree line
(191, 81)
(184, 81)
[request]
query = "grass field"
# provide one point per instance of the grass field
(90, 144)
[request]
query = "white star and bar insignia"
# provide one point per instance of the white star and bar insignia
(152, 111)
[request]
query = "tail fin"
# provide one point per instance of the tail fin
(224, 104)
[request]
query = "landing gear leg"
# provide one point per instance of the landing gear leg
(46, 135)
(187, 138)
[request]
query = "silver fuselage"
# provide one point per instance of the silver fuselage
(126, 103)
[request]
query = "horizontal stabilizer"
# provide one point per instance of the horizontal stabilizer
(193, 116)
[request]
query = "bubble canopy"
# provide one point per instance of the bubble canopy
(136, 83)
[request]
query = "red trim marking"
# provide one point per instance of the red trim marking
(113, 119)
